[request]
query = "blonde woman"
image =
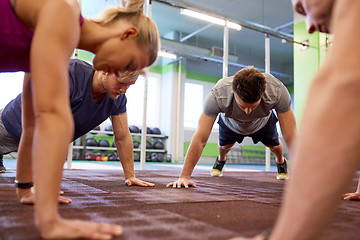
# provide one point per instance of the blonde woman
(38, 37)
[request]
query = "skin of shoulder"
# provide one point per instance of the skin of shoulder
(29, 11)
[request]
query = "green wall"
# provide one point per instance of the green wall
(210, 149)
(306, 64)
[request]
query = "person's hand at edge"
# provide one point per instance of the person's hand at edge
(352, 196)
(181, 182)
(133, 181)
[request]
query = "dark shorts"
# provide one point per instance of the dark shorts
(8, 144)
(268, 135)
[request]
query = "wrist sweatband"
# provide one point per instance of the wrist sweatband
(23, 185)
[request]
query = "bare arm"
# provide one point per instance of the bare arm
(124, 146)
(197, 144)
(288, 128)
(310, 200)
(55, 38)
(56, 34)
(196, 147)
(333, 95)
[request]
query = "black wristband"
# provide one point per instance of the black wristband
(23, 185)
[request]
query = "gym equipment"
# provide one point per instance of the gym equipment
(136, 157)
(161, 157)
(136, 144)
(158, 145)
(149, 145)
(148, 130)
(154, 157)
(97, 157)
(156, 131)
(91, 142)
(134, 129)
(168, 158)
(109, 129)
(97, 128)
(104, 143)
(112, 157)
(113, 144)
(104, 158)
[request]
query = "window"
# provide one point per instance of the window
(10, 86)
(135, 102)
(193, 104)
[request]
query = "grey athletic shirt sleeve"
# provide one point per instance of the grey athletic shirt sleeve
(221, 100)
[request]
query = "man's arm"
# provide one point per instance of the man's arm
(288, 128)
(196, 147)
(124, 146)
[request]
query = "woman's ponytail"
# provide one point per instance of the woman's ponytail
(134, 6)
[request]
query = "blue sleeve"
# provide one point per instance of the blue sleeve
(120, 106)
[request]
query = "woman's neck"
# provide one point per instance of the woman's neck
(90, 36)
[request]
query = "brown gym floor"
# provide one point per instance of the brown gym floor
(239, 203)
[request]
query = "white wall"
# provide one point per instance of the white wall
(10, 86)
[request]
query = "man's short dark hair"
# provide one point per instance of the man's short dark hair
(249, 84)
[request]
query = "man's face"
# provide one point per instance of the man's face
(246, 107)
(316, 12)
(117, 85)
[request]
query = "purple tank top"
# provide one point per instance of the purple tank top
(15, 40)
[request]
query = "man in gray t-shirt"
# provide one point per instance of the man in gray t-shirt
(244, 103)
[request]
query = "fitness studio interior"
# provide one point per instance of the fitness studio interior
(202, 42)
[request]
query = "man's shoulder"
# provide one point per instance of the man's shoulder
(272, 83)
(275, 91)
(270, 79)
(223, 86)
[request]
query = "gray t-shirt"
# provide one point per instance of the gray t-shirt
(221, 100)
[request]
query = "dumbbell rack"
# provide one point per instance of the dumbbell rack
(150, 136)
(97, 132)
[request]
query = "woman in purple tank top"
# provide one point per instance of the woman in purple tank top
(39, 37)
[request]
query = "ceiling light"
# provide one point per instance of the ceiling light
(166, 54)
(211, 19)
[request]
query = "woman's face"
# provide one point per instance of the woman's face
(118, 55)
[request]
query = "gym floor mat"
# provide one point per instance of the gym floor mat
(239, 203)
